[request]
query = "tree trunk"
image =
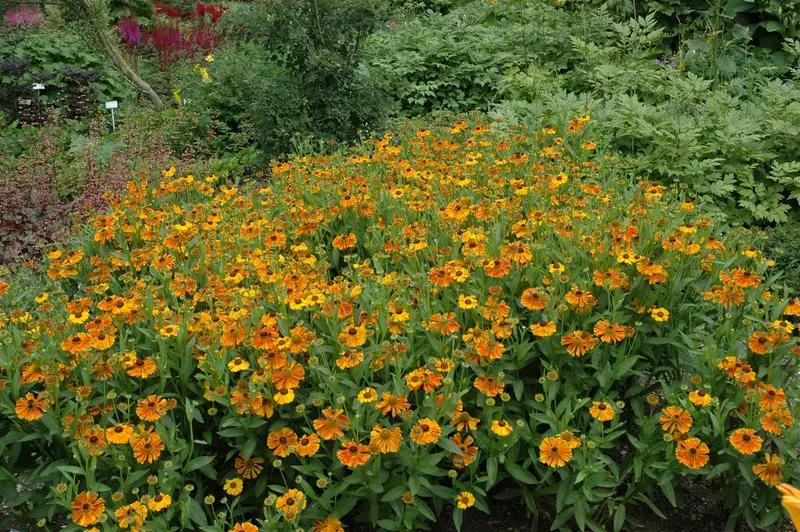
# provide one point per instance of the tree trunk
(119, 62)
(82, 13)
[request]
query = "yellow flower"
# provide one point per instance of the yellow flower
(209, 58)
(502, 428)
(466, 301)
(367, 395)
(791, 502)
(465, 500)
(159, 502)
(233, 486)
(660, 314)
(238, 364)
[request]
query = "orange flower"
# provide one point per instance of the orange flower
(580, 299)
(329, 524)
(745, 279)
(692, 453)
(119, 434)
(570, 439)
(244, 527)
(496, 268)
(440, 277)
(792, 307)
(602, 411)
(307, 445)
(289, 376)
(771, 398)
(87, 508)
(344, 242)
(393, 404)
(532, 299)
(746, 441)
(468, 451)
(464, 421)
(77, 343)
(578, 343)
(610, 333)
(330, 426)
(791, 502)
(131, 515)
(544, 328)
(425, 432)
(384, 439)
(350, 359)
(675, 419)
(291, 503)
(249, 468)
(770, 472)
(443, 324)
(489, 385)
(771, 422)
(147, 446)
(353, 336)
(95, 442)
(554, 452)
(152, 408)
(699, 398)
(279, 441)
(758, 343)
(353, 454)
(30, 407)
(142, 368)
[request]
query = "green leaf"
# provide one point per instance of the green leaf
(198, 462)
(388, 524)
(520, 474)
(424, 509)
(394, 493)
(249, 448)
(458, 518)
(448, 445)
(669, 491)
(772, 26)
(619, 518)
(69, 469)
(196, 513)
(491, 471)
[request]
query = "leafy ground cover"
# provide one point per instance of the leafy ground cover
(378, 334)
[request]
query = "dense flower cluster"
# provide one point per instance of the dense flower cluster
(24, 17)
(180, 33)
(384, 333)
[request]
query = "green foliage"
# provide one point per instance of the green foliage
(123, 8)
(713, 117)
(294, 70)
(412, 6)
(782, 244)
(50, 56)
(738, 155)
(458, 61)
(761, 18)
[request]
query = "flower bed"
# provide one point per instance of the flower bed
(380, 335)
